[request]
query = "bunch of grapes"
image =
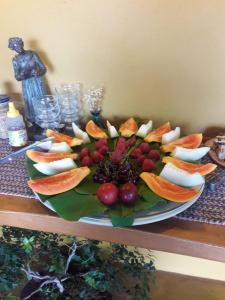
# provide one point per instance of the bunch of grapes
(116, 172)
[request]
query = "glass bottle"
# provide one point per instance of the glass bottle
(17, 133)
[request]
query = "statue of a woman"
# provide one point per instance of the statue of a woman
(29, 69)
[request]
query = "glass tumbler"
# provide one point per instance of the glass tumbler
(69, 98)
(47, 112)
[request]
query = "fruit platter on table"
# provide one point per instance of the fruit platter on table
(130, 176)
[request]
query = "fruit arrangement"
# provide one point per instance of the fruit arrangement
(118, 173)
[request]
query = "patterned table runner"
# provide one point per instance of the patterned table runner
(209, 208)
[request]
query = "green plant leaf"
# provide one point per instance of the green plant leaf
(72, 206)
(86, 187)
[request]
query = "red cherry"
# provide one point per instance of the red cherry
(136, 153)
(86, 161)
(107, 193)
(84, 152)
(128, 193)
(148, 165)
(154, 154)
(144, 147)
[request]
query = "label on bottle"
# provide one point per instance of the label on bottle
(17, 138)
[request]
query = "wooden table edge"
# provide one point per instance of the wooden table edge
(172, 235)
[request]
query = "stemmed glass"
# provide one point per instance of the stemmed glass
(69, 100)
(94, 99)
(47, 112)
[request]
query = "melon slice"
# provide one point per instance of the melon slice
(156, 135)
(96, 132)
(56, 167)
(190, 154)
(112, 130)
(168, 190)
(180, 177)
(189, 167)
(59, 137)
(45, 145)
(59, 183)
(39, 157)
(191, 141)
(80, 134)
(144, 129)
(128, 128)
(60, 147)
(171, 136)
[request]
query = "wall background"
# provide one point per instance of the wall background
(157, 59)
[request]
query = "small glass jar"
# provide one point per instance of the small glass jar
(4, 101)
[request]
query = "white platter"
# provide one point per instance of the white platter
(156, 214)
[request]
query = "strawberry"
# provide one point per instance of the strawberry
(86, 161)
(97, 156)
(103, 150)
(144, 147)
(154, 154)
(132, 141)
(140, 159)
(84, 152)
(148, 165)
(136, 153)
(116, 156)
(121, 140)
(100, 143)
(121, 147)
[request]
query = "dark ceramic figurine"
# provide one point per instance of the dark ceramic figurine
(29, 69)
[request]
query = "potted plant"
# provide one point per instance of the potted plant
(51, 266)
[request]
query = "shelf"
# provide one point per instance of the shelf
(172, 235)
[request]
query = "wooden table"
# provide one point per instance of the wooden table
(173, 235)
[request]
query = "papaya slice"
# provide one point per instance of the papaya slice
(191, 141)
(203, 169)
(156, 135)
(59, 183)
(128, 128)
(96, 132)
(60, 137)
(168, 190)
(40, 157)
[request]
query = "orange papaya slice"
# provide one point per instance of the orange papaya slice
(40, 157)
(128, 128)
(60, 137)
(96, 132)
(156, 135)
(191, 141)
(189, 167)
(59, 183)
(168, 190)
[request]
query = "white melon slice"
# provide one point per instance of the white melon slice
(81, 134)
(190, 154)
(112, 130)
(180, 177)
(45, 145)
(144, 129)
(56, 167)
(171, 136)
(60, 147)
